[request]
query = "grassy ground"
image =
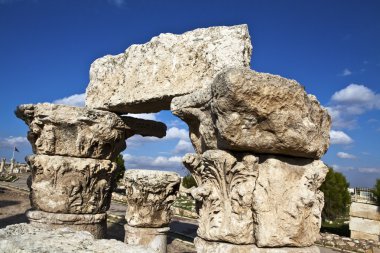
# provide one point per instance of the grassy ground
(185, 203)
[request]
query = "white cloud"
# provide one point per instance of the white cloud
(341, 168)
(339, 137)
(183, 146)
(73, 100)
(369, 170)
(346, 72)
(12, 141)
(177, 133)
(149, 162)
(344, 155)
(150, 116)
(351, 101)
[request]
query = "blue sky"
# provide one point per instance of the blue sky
(330, 47)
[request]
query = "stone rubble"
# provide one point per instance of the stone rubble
(30, 239)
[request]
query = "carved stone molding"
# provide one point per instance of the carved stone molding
(150, 195)
(224, 195)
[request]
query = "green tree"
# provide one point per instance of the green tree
(337, 197)
(189, 181)
(376, 191)
(120, 168)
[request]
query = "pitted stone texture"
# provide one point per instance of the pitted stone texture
(73, 131)
(71, 185)
(154, 238)
(96, 224)
(224, 194)
(287, 204)
(203, 246)
(29, 239)
(146, 77)
(247, 111)
(150, 195)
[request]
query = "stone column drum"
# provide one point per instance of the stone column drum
(150, 195)
(73, 170)
(2, 165)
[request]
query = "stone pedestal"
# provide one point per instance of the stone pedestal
(96, 224)
(2, 165)
(12, 166)
(154, 238)
(204, 246)
(149, 196)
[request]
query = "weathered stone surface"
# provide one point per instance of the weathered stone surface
(364, 236)
(73, 131)
(71, 185)
(366, 211)
(146, 77)
(365, 225)
(150, 195)
(80, 132)
(204, 246)
(144, 127)
(153, 238)
(96, 224)
(224, 195)
(287, 204)
(30, 239)
(244, 110)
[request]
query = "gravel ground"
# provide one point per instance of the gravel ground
(13, 205)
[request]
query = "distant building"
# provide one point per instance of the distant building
(364, 214)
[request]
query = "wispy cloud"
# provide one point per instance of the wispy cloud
(346, 72)
(344, 155)
(340, 137)
(346, 104)
(183, 147)
(151, 162)
(12, 141)
(369, 170)
(117, 3)
(73, 100)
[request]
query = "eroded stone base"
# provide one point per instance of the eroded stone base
(96, 224)
(203, 246)
(154, 238)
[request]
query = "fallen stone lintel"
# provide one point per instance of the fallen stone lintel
(144, 127)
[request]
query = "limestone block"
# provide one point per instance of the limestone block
(204, 246)
(365, 225)
(27, 238)
(224, 195)
(150, 195)
(247, 111)
(71, 185)
(146, 77)
(80, 132)
(96, 224)
(153, 238)
(364, 236)
(287, 204)
(366, 211)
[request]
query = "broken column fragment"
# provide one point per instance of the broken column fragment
(150, 195)
(80, 132)
(256, 136)
(146, 77)
(73, 171)
(247, 111)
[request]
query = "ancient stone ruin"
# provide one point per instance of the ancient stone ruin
(258, 140)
